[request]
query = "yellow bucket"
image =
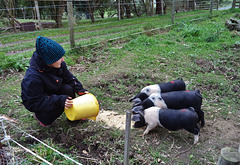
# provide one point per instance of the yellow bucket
(84, 107)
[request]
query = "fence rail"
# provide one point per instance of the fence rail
(206, 5)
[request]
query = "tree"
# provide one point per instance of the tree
(58, 8)
(91, 10)
(135, 8)
(145, 7)
(127, 5)
(105, 6)
(234, 4)
(98, 6)
(10, 6)
(160, 7)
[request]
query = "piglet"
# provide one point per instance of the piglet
(173, 120)
(174, 85)
(154, 99)
(176, 100)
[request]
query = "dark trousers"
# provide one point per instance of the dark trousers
(48, 117)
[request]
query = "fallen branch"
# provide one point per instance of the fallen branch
(184, 151)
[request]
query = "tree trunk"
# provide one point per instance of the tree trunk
(234, 4)
(91, 11)
(158, 7)
(120, 9)
(122, 12)
(58, 12)
(128, 8)
(101, 14)
(10, 13)
(135, 8)
(145, 7)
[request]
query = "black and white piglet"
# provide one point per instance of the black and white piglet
(139, 110)
(174, 85)
(173, 120)
(176, 100)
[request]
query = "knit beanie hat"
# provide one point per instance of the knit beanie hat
(49, 50)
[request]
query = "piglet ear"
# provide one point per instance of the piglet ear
(137, 102)
(180, 78)
(192, 109)
(132, 98)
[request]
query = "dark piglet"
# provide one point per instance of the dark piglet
(175, 85)
(172, 119)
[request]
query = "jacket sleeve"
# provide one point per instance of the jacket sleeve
(70, 79)
(35, 99)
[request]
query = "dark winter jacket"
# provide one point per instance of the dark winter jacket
(41, 85)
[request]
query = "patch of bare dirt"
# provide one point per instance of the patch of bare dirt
(206, 64)
(231, 130)
(112, 119)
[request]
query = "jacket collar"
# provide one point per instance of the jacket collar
(37, 63)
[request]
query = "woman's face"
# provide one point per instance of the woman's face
(57, 64)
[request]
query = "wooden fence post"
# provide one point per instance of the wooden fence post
(229, 156)
(38, 15)
(71, 23)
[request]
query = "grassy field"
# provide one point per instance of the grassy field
(16, 49)
(204, 53)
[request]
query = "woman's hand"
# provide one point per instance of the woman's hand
(68, 103)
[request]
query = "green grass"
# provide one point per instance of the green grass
(85, 33)
(204, 53)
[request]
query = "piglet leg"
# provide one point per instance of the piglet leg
(151, 118)
(196, 138)
(149, 128)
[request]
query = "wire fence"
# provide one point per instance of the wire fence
(13, 152)
(17, 48)
(83, 11)
(26, 60)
